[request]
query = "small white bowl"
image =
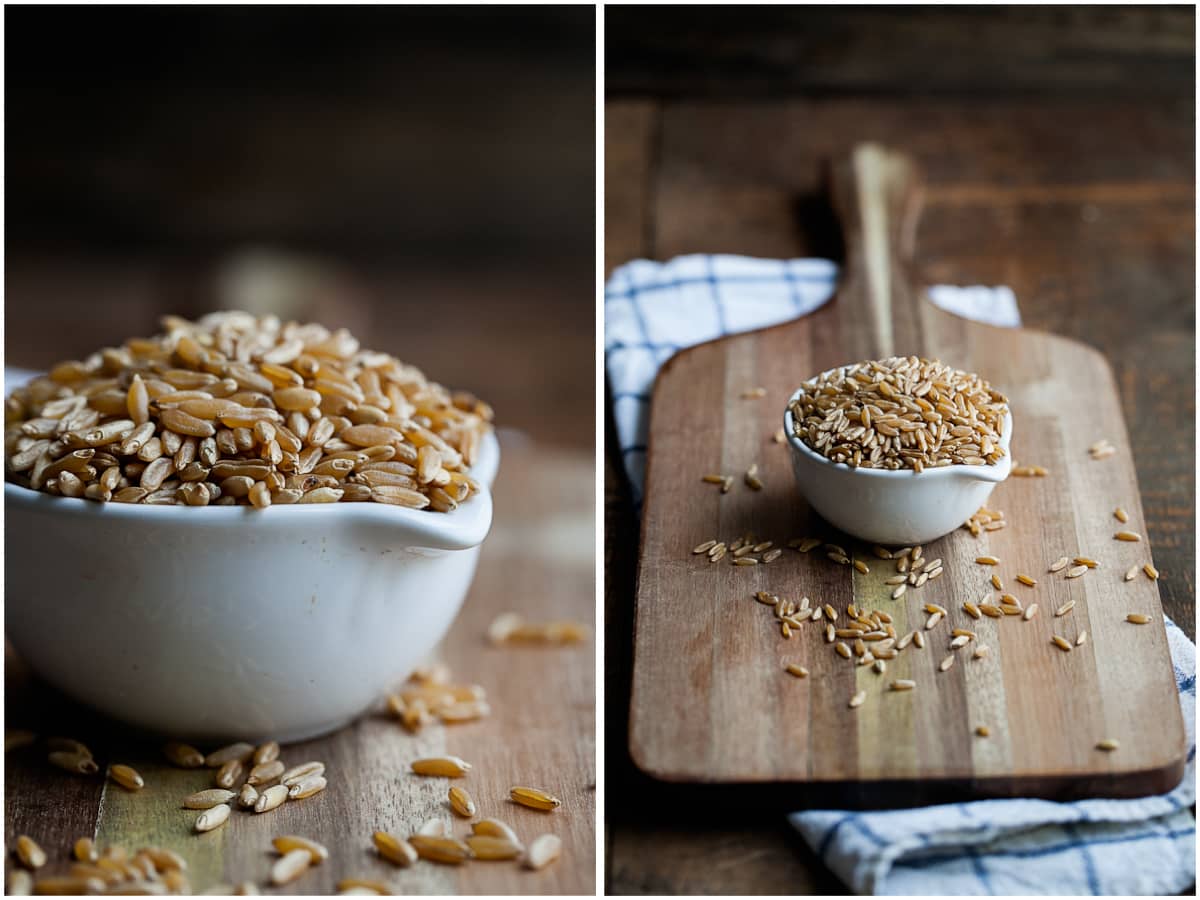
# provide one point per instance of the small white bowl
(222, 623)
(894, 507)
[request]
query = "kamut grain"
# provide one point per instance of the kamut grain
(84, 850)
(208, 799)
(543, 850)
(444, 766)
(29, 853)
(290, 866)
(461, 802)
(213, 818)
(240, 388)
(295, 773)
(865, 415)
(495, 828)
(535, 798)
(272, 798)
(306, 787)
(445, 850)
(493, 847)
(395, 849)
(126, 777)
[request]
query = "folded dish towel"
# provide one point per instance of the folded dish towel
(1145, 846)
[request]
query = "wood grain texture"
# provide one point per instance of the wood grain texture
(763, 726)
(1080, 201)
(538, 561)
(757, 51)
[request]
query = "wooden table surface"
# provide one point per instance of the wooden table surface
(1083, 204)
(539, 561)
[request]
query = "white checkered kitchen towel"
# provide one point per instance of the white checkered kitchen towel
(1144, 846)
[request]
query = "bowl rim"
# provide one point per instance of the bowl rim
(460, 529)
(992, 472)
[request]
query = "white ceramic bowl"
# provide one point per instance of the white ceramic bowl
(893, 507)
(220, 623)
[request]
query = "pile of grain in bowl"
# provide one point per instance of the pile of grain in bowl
(234, 410)
(901, 413)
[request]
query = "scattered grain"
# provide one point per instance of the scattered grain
(444, 766)
(29, 853)
(446, 850)
(295, 773)
(213, 818)
(84, 850)
(207, 799)
(461, 802)
(76, 763)
(272, 798)
(240, 751)
(306, 787)
(126, 777)
(230, 773)
(535, 798)
(290, 866)
(396, 850)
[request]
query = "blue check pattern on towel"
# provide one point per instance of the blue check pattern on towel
(652, 310)
(1144, 846)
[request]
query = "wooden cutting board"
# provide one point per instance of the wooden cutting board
(711, 701)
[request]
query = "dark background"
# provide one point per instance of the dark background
(424, 176)
(1058, 148)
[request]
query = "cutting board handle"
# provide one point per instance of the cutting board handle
(876, 194)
